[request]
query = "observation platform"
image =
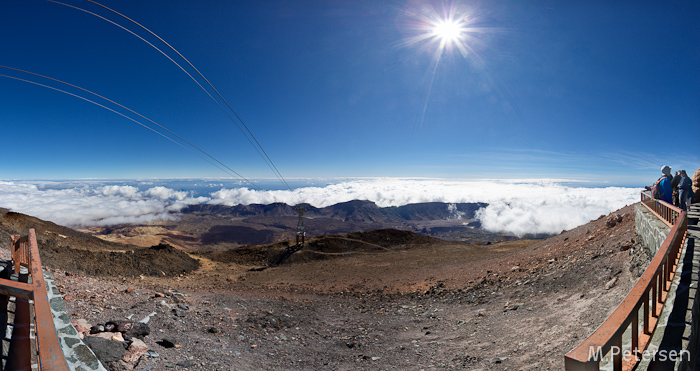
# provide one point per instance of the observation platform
(655, 326)
(677, 330)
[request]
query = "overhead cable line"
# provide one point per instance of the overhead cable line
(220, 165)
(264, 154)
(177, 64)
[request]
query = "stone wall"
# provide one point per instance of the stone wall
(649, 228)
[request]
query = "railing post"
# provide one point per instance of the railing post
(660, 281)
(645, 299)
(669, 266)
(654, 290)
(617, 355)
(17, 252)
(634, 348)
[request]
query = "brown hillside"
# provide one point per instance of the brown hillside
(385, 300)
(66, 249)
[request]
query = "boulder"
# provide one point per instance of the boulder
(136, 349)
(106, 350)
(138, 330)
(119, 365)
(612, 220)
(125, 326)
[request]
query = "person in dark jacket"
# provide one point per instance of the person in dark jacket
(684, 190)
(674, 185)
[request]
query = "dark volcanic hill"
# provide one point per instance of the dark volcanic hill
(326, 247)
(275, 209)
(356, 210)
(222, 227)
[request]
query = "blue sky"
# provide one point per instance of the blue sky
(605, 91)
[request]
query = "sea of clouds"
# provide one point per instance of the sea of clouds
(515, 206)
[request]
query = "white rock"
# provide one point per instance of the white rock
(147, 318)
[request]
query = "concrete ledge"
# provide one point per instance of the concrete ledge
(78, 355)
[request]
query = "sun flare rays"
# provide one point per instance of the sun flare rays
(443, 31)
(440, 33)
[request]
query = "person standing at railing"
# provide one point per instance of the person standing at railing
(662, 190)
(685, 191)
(674, 186)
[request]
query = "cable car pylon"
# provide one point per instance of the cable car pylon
(301, 232)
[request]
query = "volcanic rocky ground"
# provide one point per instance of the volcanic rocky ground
(375, 300)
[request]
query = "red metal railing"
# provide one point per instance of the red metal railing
(663, 210)
(31, 287)
(645, 300)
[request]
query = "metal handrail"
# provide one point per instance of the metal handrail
(662, 209)
(20, 252)
(25, 253)
(647, 295)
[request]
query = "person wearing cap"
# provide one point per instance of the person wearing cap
(662, 189)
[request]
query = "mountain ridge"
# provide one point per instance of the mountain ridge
(222, 227)
(354, 210)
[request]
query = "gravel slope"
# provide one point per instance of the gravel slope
(513, 305)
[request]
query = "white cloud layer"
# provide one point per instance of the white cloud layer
(518, 207)
(87, 205)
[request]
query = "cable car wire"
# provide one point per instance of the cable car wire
(264, 154)
(220, 164)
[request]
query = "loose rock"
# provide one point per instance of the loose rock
(136, 349)
(106, 350)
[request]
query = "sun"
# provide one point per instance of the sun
(448, 31)
(444, 31)
(455, 27)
